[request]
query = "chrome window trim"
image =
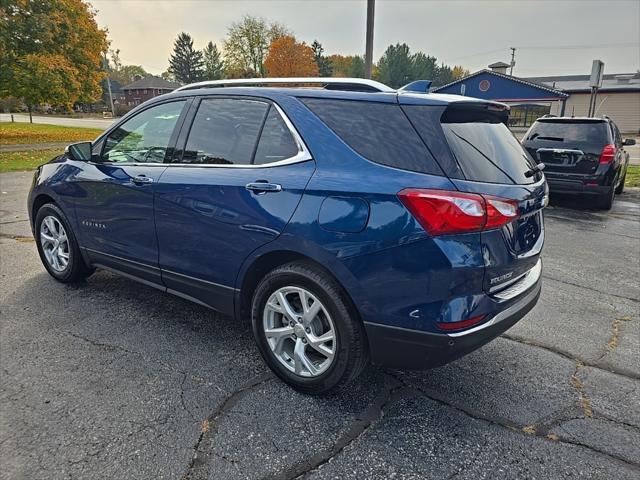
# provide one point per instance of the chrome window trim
(303, 154)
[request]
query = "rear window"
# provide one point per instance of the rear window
(568, 132)
(379, 132)
(486, 150)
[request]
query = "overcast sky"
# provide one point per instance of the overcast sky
(551, 37)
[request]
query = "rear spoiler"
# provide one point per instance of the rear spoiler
(457, 112)
(417, 86)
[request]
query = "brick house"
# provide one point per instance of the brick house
(148, 87)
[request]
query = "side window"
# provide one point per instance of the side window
(145, 137)
(224, 131)
(379, 132)
(617, 135)
(276, 142)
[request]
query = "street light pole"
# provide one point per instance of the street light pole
(368, 56)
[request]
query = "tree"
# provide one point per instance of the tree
(213, 64)
(424, 67)
(444, 76)
(51, 52)
(123, 74)
(396, 67)
(460, 72)
(346, 65)
(186, 63)
(324, 65)
(356, 69)
(167, 75)
(288, 58)
(247, 44)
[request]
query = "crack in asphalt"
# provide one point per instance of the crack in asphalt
(514, 427)
(585, 402)
(17, 238)
(209, 425)
(631, 299)
(13, 221)
(615, 335)
(361, 424)
(563, 353)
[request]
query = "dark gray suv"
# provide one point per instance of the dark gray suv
(582, 155)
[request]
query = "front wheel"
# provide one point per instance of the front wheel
(306, 330)
(57, 246)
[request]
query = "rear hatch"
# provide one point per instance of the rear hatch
(567, 146)
(481, 155)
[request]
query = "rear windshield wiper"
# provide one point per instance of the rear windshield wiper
(533, 170)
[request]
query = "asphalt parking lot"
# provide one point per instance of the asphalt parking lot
(112, 379)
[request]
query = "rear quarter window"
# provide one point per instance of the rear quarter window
(379, 132)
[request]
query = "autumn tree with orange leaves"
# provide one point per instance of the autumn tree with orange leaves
(288, 58)
(51, 52)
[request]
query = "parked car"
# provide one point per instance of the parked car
(351, 223)
(582, 155)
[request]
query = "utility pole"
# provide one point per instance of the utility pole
(513, 60)
(368, 56)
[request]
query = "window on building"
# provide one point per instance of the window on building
(525, 114)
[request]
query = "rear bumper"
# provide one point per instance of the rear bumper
(403, 348)
(579, 184)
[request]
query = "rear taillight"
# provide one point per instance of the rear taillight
(608, 154)
(442, 212)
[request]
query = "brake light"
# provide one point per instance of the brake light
(608, 154)
(443, 212)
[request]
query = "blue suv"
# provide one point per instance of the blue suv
(351, 223)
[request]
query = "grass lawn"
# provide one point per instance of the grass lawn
(28, 133)
(633, 176)
(29, 160)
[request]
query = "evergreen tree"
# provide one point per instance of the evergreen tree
(356, 70)
(185, 63)
(213, 64)
(324, 65)
(396, 66)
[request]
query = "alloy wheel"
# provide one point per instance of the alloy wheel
(299, 331)
(54, 243)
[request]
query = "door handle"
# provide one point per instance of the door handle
(261, 187)
(142, 179)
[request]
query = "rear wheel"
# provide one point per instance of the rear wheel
(620, 187)
(605, 201)
(57, 245)
(305, 329)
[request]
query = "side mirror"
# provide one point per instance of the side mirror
(628, 142)
(79, 151)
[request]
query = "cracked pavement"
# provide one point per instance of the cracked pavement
(113, 379)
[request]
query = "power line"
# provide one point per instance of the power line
(578, 47)
(544, 47)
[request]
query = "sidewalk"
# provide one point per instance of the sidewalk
(33, 146)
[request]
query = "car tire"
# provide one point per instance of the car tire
(58, 247)
(605, 202)
(277, 310)
(620, 187)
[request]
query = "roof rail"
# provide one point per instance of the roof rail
(328, 83)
